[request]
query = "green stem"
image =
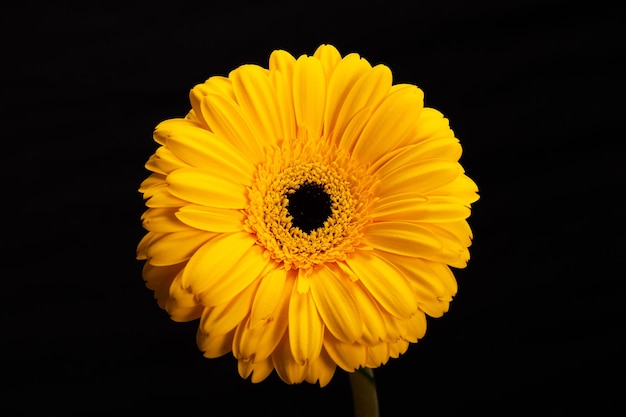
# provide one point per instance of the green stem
(364, 393)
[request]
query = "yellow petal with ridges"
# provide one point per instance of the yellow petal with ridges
(248, 269)
(257, 342)
(374, 330)
(268, 295)
(227, 120)
(340, 85)
(420, 177)
(153, 181)
(368, 92)
(214, 346)
(435, 209)
(257, 97)
(389, 124)
(440, 149)
(218, 85)
(211, 219)
(377, 355)
(180, 295)
(426, 282)
(162, 220)
(160, 197)
(282, 61)
(462, 187)
(206, 188)
(173, 248)
(321, 370)
(416, 327)
(384, 281)
(432, 125)
(287, 368)
(163, 161)
(306, 331)
(210, 266)
(309, 95)
(398, 348)
(348, 356)
(284, 97)
(258, 369)
(205, 150)
(224, 317)
(403, 238)
(329, 56)
(155, 276)
(396, 205)
(161, 287)
(335, 305)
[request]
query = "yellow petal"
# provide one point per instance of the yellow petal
(434, 209)
(447, 149)
(389, 124)
(259, 369)
(306, 330)
(162, 220)
(284, 97)
(211, 219)
(268, 295)
(430, 280)
(153, 181)
(456, 237)
(329, 56)
(225, 118)
(348, 356)
(377, 355)
(403, 238)
(368, 91)
(398, 348)
(162, 198)
(257, 97)
(432, 125)
(218, 269)
(257, 341)
(181, 297)
(462, 187)
(219, 85)
(203, 149)
(207, 188)
(416, 327)
(163, 161)
(287, 368)
(335, 305)
(282, 61)
(156, 276)
(173, 248)
(374, 330)
(385, 283)
(224, 317)
(395, 205)
(420, 177)
(214, 346)
(158, 279)
(309, 95)
(340, 85)
(321, 370)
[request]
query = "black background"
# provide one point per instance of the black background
(532, 89)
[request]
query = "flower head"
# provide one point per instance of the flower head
(308, 214)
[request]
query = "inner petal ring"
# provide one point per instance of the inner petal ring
(308, 211)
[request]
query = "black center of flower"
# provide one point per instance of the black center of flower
(309, 206)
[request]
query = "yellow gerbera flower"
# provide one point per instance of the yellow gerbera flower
(307, 214)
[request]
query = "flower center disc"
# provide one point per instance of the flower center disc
(308, 207)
